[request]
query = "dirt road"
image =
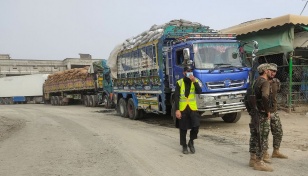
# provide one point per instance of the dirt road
(44, 140)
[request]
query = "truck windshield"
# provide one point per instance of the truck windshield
(216, 55)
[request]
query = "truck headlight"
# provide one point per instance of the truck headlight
(208, 98)
(199, 82)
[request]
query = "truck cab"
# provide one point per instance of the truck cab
(220, 71)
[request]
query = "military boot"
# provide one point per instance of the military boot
(266, 157)
(261, 166)
(252, 160)
(277, 154)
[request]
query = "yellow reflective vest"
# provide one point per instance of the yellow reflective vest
(190, 100)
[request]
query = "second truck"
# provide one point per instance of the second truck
(91, 86)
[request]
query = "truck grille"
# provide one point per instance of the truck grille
(225, 84)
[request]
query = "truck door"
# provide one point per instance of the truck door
(178, 64)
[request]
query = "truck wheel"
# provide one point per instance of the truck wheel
(123, 108)
(52, 100)
(132, 110)
(94, 100)
(57, 100)
(61, 101)
(232, 117)
(90, 100)
(65, 101)
(85, 100)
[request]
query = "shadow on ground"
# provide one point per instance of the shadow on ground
(167, 121)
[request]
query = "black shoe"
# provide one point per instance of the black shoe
(191, 146)
(185, 151)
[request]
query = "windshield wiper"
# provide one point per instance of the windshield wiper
(221, 65)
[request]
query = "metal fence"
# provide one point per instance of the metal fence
(293, 75)
(294, 89)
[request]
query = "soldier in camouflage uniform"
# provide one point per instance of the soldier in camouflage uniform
(275, 123)
(261, 87)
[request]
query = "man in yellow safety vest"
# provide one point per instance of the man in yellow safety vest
(186, 110)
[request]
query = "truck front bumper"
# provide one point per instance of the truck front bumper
(221, 103)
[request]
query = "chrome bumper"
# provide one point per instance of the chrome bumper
(221, 103)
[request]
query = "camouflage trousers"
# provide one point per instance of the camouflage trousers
(254, 137)
(276, 129)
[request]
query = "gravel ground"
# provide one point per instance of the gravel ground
(75, 140)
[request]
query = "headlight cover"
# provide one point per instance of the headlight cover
(209, 98)
(199, 82)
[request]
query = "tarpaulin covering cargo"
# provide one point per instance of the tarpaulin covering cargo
(72, 79)
(154, 33)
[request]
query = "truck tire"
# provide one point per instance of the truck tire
(85, 100)
(90, 100)
(123, 108)
(57, 100)
(61, 101)
(232, 117)
(94, 100)
(52, 100)
(65, 101)
(132, 110)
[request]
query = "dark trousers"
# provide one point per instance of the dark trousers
(193, 135)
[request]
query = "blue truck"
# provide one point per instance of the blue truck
(145, 70)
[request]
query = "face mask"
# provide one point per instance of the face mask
(188, 74)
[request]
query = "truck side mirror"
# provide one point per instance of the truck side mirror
(186, 54)
(255, 47)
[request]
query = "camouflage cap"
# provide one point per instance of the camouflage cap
(261, 68)
(273, 66)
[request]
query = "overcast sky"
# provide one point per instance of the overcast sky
(59, 29)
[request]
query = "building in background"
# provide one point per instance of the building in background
(17, 67)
